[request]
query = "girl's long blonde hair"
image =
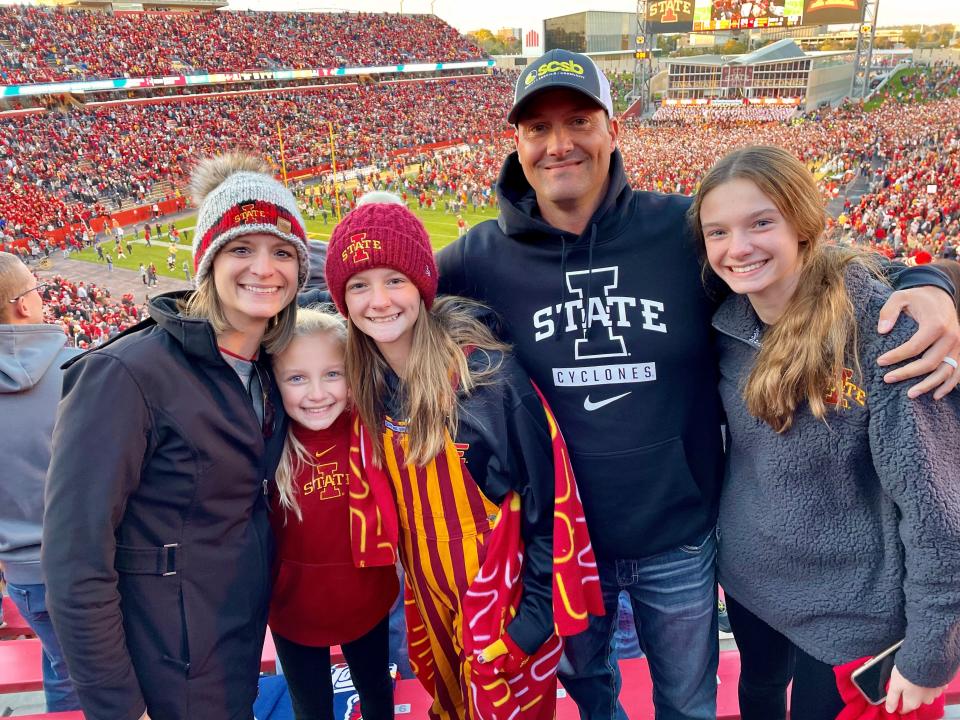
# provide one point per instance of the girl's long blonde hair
(313, 320)
(805, 352)
(436, 374)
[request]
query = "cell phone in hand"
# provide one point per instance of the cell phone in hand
(872, 678)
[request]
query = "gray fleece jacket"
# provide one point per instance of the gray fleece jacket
(30, 378)
(844, 535)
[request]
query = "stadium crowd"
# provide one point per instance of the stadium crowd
(48, 45)
(88, 314)
(720, 114)
(60, 168)
(54, 165)
(928, 82)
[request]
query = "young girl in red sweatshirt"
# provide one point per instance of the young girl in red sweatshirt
(320, 597)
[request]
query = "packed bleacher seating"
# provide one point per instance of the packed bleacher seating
(46, 45)
(659, 159)
(720, 114)
(53, 164)
(912, 207)
(88, 314)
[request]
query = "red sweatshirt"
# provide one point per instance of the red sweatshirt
(319, 597)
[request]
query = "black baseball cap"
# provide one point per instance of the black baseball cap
(566, 69)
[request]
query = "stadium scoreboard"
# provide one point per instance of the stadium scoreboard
(681, 16)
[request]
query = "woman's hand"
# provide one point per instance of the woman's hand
(903, 696)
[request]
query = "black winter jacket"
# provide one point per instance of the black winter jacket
(506, 443)
(156, 541)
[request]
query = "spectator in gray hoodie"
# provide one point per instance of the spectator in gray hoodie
(840, 510)
(31, 354)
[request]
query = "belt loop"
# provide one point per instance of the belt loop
(170, 559)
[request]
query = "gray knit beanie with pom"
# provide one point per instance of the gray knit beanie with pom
(237, 196)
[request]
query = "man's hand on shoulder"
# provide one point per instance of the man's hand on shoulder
(936, 338)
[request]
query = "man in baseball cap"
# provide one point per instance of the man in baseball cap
(561, 69)
(600, 290)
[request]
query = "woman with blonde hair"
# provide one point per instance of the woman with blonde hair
(322, 594)
(156, 541)
(840, 512)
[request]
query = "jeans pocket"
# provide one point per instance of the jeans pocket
(31, 599)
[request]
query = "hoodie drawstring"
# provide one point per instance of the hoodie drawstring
(563, 278)
(586, 308)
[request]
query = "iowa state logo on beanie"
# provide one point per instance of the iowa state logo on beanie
(359, 248)
(375, 235)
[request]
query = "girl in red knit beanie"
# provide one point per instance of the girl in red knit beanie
(463, 441)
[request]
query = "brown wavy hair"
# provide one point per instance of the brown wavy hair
(436, 376)
(804, 353)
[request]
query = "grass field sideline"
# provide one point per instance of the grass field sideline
(441, 226)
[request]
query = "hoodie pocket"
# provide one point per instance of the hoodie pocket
(641, 501)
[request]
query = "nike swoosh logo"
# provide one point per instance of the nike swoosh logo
(590, 406)
(318, 455)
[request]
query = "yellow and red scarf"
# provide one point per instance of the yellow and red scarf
(510, 685)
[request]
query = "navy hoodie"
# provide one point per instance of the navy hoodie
(632, 378)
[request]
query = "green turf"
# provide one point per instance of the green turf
(441, 226)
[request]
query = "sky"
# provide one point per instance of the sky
(495, 14)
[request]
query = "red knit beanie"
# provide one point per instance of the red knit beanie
(375, 235)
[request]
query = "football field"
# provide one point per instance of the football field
(441, 226)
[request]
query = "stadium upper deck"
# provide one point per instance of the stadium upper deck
(48, 45)
(51, 163)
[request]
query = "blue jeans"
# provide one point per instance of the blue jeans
(674, 600)
(31, 601)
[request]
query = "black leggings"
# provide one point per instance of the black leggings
(768, 662)
(307, 670)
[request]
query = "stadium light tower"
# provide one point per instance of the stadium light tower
(642, 63)
(863, 61)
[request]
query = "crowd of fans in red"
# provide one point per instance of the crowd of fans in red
(87, 313)
(906, 154)
(53, 166)
(48, 45)
(720, 114)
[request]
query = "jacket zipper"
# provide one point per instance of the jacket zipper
(751, 343)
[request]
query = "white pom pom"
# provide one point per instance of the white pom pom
(211, 172)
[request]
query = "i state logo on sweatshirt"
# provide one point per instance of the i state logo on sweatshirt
(848, 396)
(327, 478)
(596, 325)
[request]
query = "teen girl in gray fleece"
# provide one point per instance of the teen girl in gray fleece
(840, 511)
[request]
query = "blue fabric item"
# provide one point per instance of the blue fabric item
(674, 600)
(273, 698)
(57, 689)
